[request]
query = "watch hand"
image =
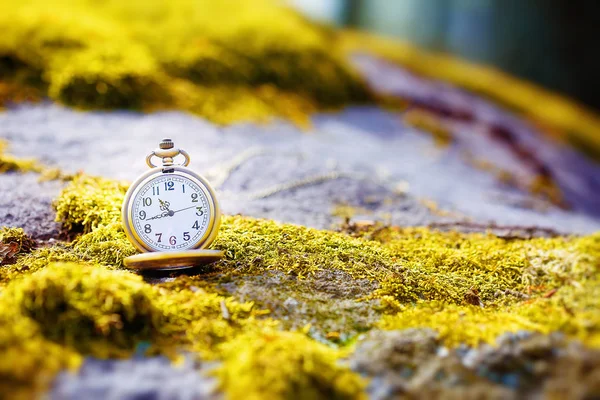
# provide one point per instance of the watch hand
(164, 205)
(164, 214)
(187, 208)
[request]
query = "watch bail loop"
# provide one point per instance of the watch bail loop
(167, 152)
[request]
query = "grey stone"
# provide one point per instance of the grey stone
(134, 379)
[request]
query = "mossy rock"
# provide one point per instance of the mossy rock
(468, 288)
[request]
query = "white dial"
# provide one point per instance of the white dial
(171, 212)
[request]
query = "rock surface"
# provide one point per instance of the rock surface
(412, 363)
(362, 157)
(137, 378)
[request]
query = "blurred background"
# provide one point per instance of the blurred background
(550, 42)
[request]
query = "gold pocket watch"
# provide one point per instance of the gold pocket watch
(170, 214)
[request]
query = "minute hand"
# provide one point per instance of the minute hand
(187, 208)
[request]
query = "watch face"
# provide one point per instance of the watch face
(171, 212)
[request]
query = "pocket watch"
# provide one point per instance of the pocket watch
(170, 214)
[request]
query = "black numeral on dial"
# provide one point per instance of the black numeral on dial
(196, 226)
(147, 228)
(147, 201)
(142, 215)
(159, 235)
(155, 190)
(186, 236)
(194, 197)
(170, 185)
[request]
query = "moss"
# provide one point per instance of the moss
(106, 244)
(107, 77)
(195, 56)
(90, 202)
(205, 320)
(572, 310)
(17, 235)
(89, 309)
(68, 310)
(283, 365)
(29, 361)
(36, 260)
(431, 123)
(10, 163)
(402, 265)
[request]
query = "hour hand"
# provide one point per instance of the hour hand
(164, 205)
(162, 215)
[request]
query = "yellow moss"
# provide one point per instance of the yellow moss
(107, 77)
(64, 311)
(572, 310)
(284, 365)
(192, 55)
(10, 163)
(90, 202)
(89, 308)
(431, 123)
(29, 361)
(17, 235)
(408, 264)
(206, 320)
(456, 324)
(106, 244)
(566, 119)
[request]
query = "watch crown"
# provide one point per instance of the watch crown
(166, 144)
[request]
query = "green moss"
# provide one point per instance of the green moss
(198, 56)
(284, 365)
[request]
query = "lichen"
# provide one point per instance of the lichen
(284, 365)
